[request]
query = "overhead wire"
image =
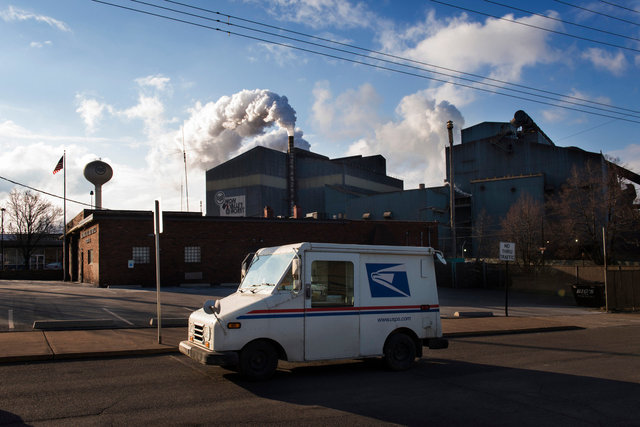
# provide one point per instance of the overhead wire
(588, 27)
(620, 6)
(598, 13)
(44, 192)
(608, 109)
(624, 117)
(388, 55)
(513, 21)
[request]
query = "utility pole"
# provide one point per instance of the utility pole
(2, 209)
(452, 207)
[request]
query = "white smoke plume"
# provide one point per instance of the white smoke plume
(217, 131)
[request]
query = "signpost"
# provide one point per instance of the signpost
(507, 253)
(157, 229)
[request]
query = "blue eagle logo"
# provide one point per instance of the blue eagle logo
(388, 280)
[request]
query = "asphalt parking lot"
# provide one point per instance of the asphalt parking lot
(51, 305)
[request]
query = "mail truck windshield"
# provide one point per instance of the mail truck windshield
(267, 270)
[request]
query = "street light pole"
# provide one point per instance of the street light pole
(452, 206)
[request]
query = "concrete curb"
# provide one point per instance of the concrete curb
(170, 322)
(511, 331)
(74, 324)
(458, 314)
(88, 355)
(53, 349)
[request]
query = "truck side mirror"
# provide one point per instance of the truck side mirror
(295, 272)
(440, 257)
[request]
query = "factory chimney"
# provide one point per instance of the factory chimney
(291, 186)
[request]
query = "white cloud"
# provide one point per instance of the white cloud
(157, 82)
(605, 60)
(630, 156)
(575, 96)
(150, 110)
(91, 111)
(14, 14)
(323, 13)
(11, 131)
(40, 45)
(281, 55)
(349, 115)
(495, 48)
(413, 143)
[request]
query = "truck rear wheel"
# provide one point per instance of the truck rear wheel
(399, 352)
(258, 360)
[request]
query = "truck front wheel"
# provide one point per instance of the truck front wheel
(258, 360)
(399, 352)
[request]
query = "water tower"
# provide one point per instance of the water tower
(98, 173)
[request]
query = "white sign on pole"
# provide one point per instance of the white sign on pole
(507, 251)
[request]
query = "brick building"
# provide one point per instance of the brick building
(108, 247)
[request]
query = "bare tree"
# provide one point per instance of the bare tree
(523, 225)
(32, 218)
(485, 242)
(594, 197)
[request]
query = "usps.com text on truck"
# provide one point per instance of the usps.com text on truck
(319, 301)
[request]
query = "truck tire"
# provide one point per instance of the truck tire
(258, 360)
(399, 352)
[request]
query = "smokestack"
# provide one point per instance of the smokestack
(292, 178)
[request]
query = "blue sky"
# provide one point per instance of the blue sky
(98, 81)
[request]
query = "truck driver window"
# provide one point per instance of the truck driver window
(331, 283)
(286, 284)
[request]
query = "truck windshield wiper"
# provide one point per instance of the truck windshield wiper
(254, 288)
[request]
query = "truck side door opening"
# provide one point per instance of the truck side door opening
(332, 322)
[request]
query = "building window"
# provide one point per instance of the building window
(141, 255)
(331, 283)
(192, 254)
(90, 256)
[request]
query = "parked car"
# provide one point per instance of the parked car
(53, 266)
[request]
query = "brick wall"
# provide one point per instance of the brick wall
(224, 242)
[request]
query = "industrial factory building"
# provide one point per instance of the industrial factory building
(493, 166)
(495, 163)
(263, 179)
(252, 198)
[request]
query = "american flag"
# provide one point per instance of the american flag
(59, 166)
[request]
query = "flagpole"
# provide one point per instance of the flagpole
(64, 217)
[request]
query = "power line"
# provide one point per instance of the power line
(44, 192)
(513, 21)
(607, 110)
(585, 130)
(376, 66)
(620, 6)
(563, 21)
(598, 13)
(394, 56)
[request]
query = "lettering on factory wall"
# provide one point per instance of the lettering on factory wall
(88, 232)
(230, 205)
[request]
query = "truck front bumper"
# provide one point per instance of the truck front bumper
(208, 357)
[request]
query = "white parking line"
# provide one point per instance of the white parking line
(116, 316)
(11, 324)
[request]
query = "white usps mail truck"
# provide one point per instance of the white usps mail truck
(321, 301)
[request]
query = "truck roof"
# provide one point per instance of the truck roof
(373, 249)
